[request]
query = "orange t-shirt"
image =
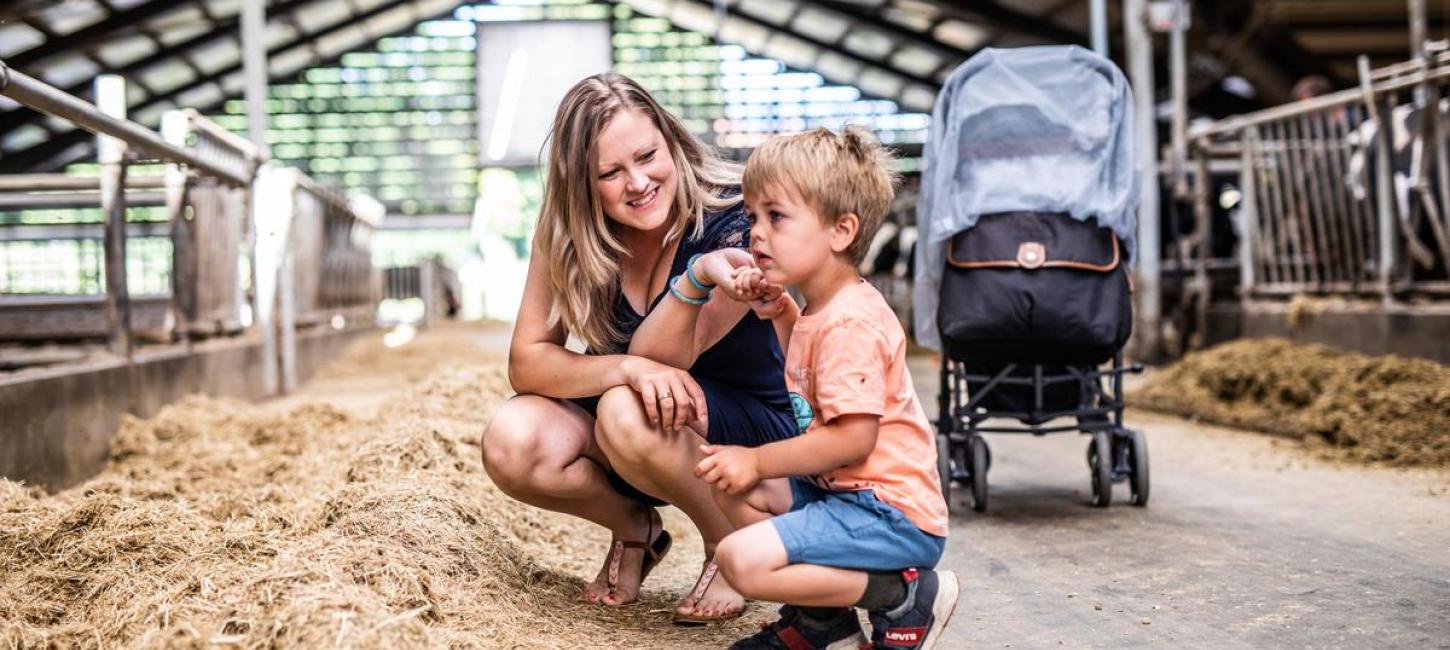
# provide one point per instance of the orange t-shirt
(850, 359)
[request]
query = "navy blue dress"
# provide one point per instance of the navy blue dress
(743, 374)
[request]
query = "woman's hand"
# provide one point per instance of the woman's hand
(729, 468)
(671, 397)
(718, 267)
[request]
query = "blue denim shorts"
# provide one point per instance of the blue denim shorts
(852, 530)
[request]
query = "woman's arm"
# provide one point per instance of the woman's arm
(676, 333)
(540, 364)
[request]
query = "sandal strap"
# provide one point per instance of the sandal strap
(706, 578)
(616, 551)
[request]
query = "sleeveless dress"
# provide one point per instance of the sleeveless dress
(743, 374)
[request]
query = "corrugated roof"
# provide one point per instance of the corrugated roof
(187, 53)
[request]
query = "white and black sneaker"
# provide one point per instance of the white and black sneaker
(796, 631)
(917, 623)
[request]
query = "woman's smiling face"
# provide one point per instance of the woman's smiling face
(635, 175)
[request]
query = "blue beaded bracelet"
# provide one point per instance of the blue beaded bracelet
(684, 298)
(690, 274)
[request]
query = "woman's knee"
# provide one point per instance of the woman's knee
(511, 443)
(622, 428)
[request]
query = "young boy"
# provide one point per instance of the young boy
(850, 514)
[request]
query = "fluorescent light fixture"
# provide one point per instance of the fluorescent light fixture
(513, 87)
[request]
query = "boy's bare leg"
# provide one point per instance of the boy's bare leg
(754, 560)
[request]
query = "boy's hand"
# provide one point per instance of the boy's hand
(771, 303)
(728, 468)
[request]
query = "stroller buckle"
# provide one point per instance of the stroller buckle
(1031, 255)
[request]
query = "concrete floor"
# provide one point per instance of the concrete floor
(1248, 542)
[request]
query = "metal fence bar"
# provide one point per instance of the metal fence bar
(1282, 204)
(66, 182)
(74, 200)
(44, 98)
(1334, 170)
(111, 153)
(1314, 215)
(1362, 218)
(1384, 182)
(1321, 176)
(1249, 213)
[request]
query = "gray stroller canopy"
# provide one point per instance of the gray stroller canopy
(1040, 129)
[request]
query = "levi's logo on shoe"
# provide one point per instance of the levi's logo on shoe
(904, 637)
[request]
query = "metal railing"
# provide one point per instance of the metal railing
(430, 281)
(203, 200)
(331, 248)
(1333, 201)
(211, 280)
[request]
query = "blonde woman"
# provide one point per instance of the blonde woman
(631, 200)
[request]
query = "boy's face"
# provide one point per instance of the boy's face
(788, 238)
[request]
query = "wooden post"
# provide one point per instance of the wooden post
(174, 128)
(1248, 212)
(287, 320)
(1140, 59)
(110, 94)
(428, 289)
(1384, 183)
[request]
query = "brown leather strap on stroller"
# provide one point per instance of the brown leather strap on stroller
(1033, 255)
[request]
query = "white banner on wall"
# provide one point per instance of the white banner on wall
(524, 69)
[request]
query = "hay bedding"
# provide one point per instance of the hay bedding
(1386, 409)
(220, 524)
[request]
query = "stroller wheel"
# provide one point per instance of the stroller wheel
(944, 466)
(1138, 481)
(981, 458)
(1100, 461)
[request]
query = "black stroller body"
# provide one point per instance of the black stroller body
(1028, 218)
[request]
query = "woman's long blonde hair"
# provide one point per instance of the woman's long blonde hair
(578, 241)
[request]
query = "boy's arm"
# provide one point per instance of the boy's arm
(784, 322)
(847, 440)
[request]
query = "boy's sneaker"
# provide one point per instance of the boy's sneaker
(917, 622)
(796, 631)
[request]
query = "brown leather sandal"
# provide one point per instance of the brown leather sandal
(653, 553)
(707, 576)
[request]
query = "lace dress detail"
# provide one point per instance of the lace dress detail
(730, 230)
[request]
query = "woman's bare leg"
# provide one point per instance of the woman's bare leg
(542, 452)
(663, 464)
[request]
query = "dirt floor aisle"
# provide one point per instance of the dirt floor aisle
(354, 513)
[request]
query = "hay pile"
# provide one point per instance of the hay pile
(224, 523)
(1375, 409)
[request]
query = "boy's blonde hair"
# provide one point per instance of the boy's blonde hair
(834, 173)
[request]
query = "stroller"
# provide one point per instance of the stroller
(1027, 223)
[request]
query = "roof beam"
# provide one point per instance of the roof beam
(1011, 20)
(225, 28)
(735, 12)
(99, 31)
(28, 159)
(861, 15)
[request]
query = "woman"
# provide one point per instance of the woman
(631, 197)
